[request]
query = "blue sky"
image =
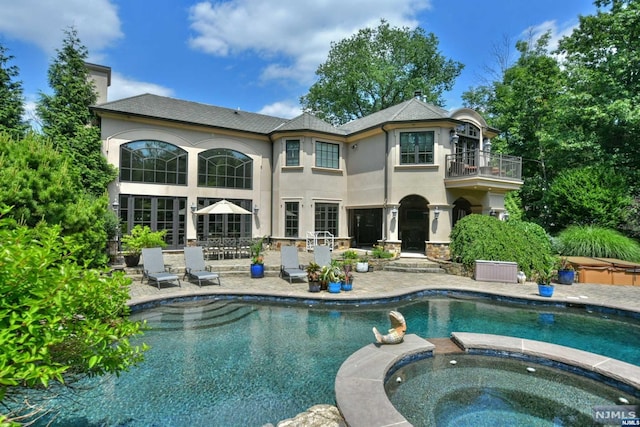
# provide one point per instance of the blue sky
(258, 55)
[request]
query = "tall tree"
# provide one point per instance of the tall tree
(11, 100)
(601, 59)
(377, 68)
(67, 119)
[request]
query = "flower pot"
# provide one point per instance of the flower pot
(362, 267)
(545, 290)
(257, 271)
(132, 260)
(346, 286)
(334, 287)
(566, 277)
(314, 286)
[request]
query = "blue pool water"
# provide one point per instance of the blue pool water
(486, 391)
(228, 363)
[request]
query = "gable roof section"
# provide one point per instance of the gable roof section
(408, 111)
(306, 122)
(176, 110)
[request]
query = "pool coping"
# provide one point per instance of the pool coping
(359, 384)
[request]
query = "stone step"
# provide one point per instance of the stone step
(414, 266)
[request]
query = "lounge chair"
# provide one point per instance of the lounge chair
(322, 255)
(195, 268)
(289, 265)
(154, 269)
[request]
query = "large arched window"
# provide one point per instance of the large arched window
(221, 167)
(153, 162)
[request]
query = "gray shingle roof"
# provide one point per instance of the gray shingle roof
(411, 110)
(308, 121)
(176, 110)
(148, 105)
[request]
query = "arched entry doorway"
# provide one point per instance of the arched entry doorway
(413, 223)
(461, 208)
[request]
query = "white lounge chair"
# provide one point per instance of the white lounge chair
(195, 268)
(154, 269)
(289, 265)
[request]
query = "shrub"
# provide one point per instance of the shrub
(380, 252)
(481, 237)
(592, 195)
(58, 320)
(596, 242)
(142, 237)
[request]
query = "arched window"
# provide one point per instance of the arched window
(153, 162)
(221, 167)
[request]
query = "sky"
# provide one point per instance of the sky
(259, 55)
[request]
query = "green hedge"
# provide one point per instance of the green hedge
(482, 237)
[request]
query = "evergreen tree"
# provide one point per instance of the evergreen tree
(11, 100)
(67, 119)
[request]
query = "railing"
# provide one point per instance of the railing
(483, 163)
(315, 238)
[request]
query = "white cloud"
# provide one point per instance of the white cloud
(124, 87)
(293, 37)
(43, 22)
(557, 31)
(284, 109)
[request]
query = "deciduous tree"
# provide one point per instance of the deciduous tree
(377, 68)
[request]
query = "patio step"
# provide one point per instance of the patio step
(414, 266)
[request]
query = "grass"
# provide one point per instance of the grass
(597, 242)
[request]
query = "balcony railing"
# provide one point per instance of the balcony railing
(483, 164)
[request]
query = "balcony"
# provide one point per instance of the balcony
(483, 170)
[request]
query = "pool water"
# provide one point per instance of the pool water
(492, 391)
(229, 363)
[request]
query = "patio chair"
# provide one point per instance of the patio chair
(195, 268)
(289, 265)
(154, 269)
(322, 255)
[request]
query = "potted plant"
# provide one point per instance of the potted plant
(543, 279)
(566, 272)
(349, 258)
(140, 237)
(347, 281)
(362, 266)
(332, 274)
(257, 259)
(313, 277)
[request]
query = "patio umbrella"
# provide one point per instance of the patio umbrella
(222, 207)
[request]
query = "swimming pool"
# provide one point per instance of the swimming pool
(222, 362)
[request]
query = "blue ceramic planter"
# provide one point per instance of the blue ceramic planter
(257, 271)
(346, 286)
(566, 277)
(333, 287)
(545, 290)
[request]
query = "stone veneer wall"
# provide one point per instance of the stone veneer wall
(438, 251)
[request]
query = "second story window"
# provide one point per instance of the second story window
(152, 161)
(416, 148)
(293, 152)
(327, 155)
(225, 168)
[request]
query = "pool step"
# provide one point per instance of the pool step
(197, 315)
(445, 346)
